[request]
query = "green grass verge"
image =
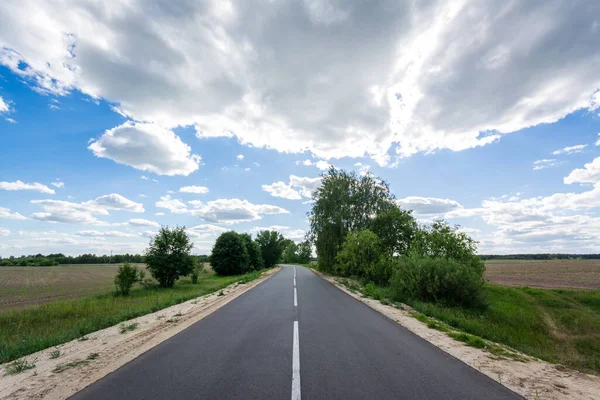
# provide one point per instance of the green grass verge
(557, 325)
(23, 332)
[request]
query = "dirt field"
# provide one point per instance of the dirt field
(25, 286)
(572, 274)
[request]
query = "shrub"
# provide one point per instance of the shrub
(254, 253)
(168, 256)
(437, 279)
(127, 276)
(360, 256)
(196, 270)
(229, 255)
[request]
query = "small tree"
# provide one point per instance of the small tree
(168, 256)
(289, 252)
(270, 243)
(358, 254)
(127, 275)
(196, 270)
(304, 252)
(230, 255)
(254, 254)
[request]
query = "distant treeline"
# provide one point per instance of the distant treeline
(40, 260)
(541, 257)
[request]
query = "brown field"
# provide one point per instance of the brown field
(26, 286)
(568, 274)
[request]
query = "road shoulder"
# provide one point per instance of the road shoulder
(534, 379)
(113, 348)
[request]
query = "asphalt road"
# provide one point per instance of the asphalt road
(276, 342)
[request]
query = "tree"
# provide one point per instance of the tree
(358, 254)
(229, 255)
(127, 275)
(196, 270)
(304, 252)
(395, 229)
(168, 256)
(289, 252)
(256, 260)
(270, 243)
(344, 202)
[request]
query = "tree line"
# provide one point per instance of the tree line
(40, 260)
(359, 231)
(546, 256)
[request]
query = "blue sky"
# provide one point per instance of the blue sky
(114, 121)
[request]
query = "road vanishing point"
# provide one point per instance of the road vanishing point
(295, 336)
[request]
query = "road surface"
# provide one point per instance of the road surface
(295, 336)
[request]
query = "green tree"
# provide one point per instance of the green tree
(196, 270)
(270, 243)
(256, 260)
(358, 253)
(304, 252)
(395, 228)
(344, 202)
(127, 276)
(289, 252)
(229, 255)
(168, 256)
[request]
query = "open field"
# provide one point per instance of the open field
(25, 331)
(575, 274)
(26, 286)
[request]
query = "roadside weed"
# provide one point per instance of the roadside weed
(55, 354)
(124, 328)
(19, 366)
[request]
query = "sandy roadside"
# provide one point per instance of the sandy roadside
(114, 349)
(535, 379)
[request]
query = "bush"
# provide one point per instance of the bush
(256, 260)
(168, 256)
(360, 256)
(198, 268)
(230, 255)
(127, 276)
(442, 280)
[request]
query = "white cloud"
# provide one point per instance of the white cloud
(115, 201)
(205, 231)
(10, 120)
(545, 163)
(173, 205)
(147, 147)
(144, 177)
(3, 106)
(286, 231)
(5, 213)
(160, 214)
(570, 150)
(194, 189)
(3, 231)
(363, 169)
(142, 222)
(425, 85)
(240, 157)
(598, 141)
(297, 187)
(590, 173)
(68, 212)
(230, 211)
(282, 189)
(18, 185)
(246, 169)
(94, 233)
(58, 184)
(428, 205)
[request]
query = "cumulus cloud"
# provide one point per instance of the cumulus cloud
(142, 222)
(231, 211)
(174, 205)
(205, 231)
(286, 231)
(545, 163)
(428, 205)
(194, 189)
(282, 189)
(297, 187)
(570, 150)
(240, 157)
(147, 147)
(95, 233)
(590, 173)
(58, 184)
(419, 81)
(3, 106)
(5, 213)
(117, 202)
(18, 185)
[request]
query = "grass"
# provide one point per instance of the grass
(557, 325)
(63, 367)
(92, 356)
(18, 366)
(27, 331)
(55, 354)
(124, 328)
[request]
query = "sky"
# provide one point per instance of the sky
(119, 117)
